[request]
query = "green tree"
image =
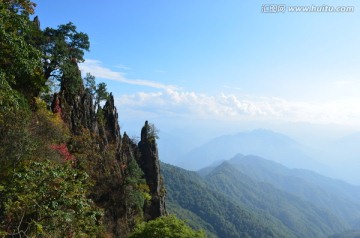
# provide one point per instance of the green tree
(16, 54)
(136, 189)
(153, 132)
(101, 94)
(99, 91)
(48, 199)
(166, 226)
(90, 84)
(10, 99)
(71, 81)
(62, 46)
(20, 64)
(62, 49)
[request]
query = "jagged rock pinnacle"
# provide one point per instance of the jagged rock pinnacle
(149, 163)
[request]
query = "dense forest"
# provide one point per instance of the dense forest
(66, 171)
(248, 194)
(190, 197)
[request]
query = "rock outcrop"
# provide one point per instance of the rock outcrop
(107, 157)
(150, 165)
(112, 128)
(77, 111)
(75, 104)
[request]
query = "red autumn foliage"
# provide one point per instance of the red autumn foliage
(64, 152)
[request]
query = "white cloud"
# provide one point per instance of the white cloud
(234, 107)
(95, 68)
(169, 100)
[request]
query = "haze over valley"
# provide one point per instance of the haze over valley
(334, 157)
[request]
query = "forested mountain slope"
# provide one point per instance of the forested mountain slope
(289, 214)
(295, 213)
(341, 198)
(219, 214)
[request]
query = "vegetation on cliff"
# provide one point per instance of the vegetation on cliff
(66, 171)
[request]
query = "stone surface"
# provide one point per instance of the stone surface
(112, 155)
(149, 163)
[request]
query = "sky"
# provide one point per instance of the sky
(221, 66)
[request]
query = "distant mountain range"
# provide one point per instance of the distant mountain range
(264, 143)
(339, 158)
(295, 202)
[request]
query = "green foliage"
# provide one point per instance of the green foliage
(15, 53)
(48, 199)
(338, 197)
(149, 132)
(166, 226)
(226, 188)
(191, 218)
(137, 191)
(50, 128)
(153, 132)
(219, 214)
(90, 84)
(29, 134)
(41, 195)
(71, 81)
(301, 217)
(101, 93)
(20, 63)
(16, 139)
(10, 99)
(62, 46)
(119, 186)
(36, 195)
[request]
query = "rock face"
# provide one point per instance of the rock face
(107, 156)
(112, 129)
(75, 104)
(149, 163)
(77, 111)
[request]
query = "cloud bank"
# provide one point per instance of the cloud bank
(169, 100)
(235, 107)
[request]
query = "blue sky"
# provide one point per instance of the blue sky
(223, 63)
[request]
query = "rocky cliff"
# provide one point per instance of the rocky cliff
(113, 161)
(149, 163)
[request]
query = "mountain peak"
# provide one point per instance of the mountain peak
(261, 142)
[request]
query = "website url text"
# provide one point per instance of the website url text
(282, 8)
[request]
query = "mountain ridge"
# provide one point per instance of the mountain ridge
(291, 210)
(342, 198)
(265, 143)
(189, 191)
